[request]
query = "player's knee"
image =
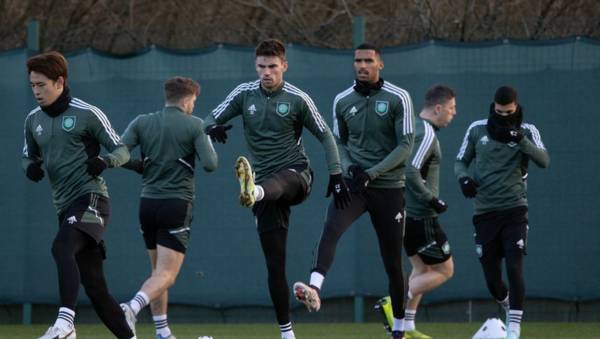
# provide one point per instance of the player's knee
(448, 269)
(166, 278)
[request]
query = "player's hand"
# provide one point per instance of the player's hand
(96, 165)
(468, 187)
(514, 135)
(341, 195)
(135, 165)
(218, 133)
(438, 205)
(360, 179)
(34, 171)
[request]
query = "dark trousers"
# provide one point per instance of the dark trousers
(386, 209)
(78, 260)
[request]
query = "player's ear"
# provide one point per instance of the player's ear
(60, 81)
(284, 65)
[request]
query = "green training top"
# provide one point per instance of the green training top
(273, 124)
(423, 171)
(375, 132)
(65, 142)
(497, 166)
(170, 141)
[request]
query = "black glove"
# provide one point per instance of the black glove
(514, 135)
(337, 186)
(96, 165)
(468, 187)
(438, 205)
(135, 165)
(34, 171)
(360, 179)
(507, 134)
(218, 133)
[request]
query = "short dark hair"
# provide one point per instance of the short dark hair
(271, 47)
(505, 95)
(177, 88)
(51, 64)
(438, 94)
(369, 46)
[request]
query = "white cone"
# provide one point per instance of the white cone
(492, 328)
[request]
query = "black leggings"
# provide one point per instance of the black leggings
(79, 259)
(492, 270)
(386, 209)
(503, 234)
(273, 244)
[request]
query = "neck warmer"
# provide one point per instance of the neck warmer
(498, 125)
(59, 105)
(365, 88)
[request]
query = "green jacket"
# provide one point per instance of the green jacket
(273, 125)
(375, 132)
(65, 142)
(497, 166)
(423, 171)
(170, 141)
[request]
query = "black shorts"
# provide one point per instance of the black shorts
(275, 214)
(166, 222)
(425, 237)
(499, 232)
(89, 213)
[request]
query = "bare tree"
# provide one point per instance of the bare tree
(119, 26)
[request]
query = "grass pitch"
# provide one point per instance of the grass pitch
(317, 331)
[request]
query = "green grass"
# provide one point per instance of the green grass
(306, 331)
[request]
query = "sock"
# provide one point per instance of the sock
(398, 324)
(259, 192)
(286, 331)
(505, 306)
(65, 319)
(139, 301)
(409, 319)
(514, 320)
(161, 325)
(316, 280)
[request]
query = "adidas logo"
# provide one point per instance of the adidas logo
(398, 217)
(484, 139)
(39, 130)
(252, 109)
(353, 110)
(521, 243)
(71, 220)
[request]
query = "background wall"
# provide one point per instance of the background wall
(557, 82)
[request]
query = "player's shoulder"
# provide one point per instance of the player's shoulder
(529, 126)
(246, 87)
(83, 108)
(33, 112)
(146, 117)
(295, 92)
(482, 123)
(344, 95)
(195, 121)
(395, 91)
(477, 126)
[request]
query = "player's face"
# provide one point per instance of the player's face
(189, 103)
(505, 110)
(45, 90)
(446, 112)
(367, 65)
(270, 70)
